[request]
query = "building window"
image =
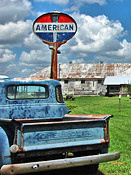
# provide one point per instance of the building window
(93, 83)
(100, 81)
(82, 81)
(66, 81)
(114, 88)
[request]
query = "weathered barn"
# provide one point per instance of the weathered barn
(85, 79)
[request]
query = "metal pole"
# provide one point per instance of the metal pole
(119, 103)
(54, 63)
(59, 71)
(52, 57)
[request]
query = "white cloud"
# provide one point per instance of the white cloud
(100, 2)
(97, 38)
(126, 49)
(33, 43)
(13, 34)
(6, 55)
(34, 61)
(35, 57)
(27, 71)
(80, 2)
(97, 35)
(17, 70)
(60, 2)
(78, 61)
(14, 10)
(75, 5)
(123, 54)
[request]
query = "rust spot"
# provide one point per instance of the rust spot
(21, 150)
(12, 170)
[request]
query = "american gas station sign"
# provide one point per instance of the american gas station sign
(55, 27)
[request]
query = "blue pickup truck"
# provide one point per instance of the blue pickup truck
(38, 134)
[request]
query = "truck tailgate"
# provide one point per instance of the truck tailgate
(68, 132)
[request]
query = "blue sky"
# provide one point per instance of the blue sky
(104, 34)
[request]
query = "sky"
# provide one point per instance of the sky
(103, 34)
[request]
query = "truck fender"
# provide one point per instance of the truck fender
(5, 156)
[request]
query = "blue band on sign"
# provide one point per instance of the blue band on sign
(50, 36)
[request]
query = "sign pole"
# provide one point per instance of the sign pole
(54, 69)
(52, 56)
(54, 64)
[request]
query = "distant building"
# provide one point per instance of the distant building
(85, 79)
(117, 85)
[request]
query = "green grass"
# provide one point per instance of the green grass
(120, 128)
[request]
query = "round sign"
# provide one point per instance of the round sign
(54, 27)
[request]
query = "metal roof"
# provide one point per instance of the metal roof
(117, 80)
(86, 71)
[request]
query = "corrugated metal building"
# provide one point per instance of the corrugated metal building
(85, 79)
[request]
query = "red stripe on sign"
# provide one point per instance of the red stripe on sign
(44, 19)
(65, 19)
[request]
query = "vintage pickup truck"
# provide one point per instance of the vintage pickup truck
(37, 133)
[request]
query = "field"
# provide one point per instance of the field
(120, 128)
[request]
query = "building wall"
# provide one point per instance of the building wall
(83, 87)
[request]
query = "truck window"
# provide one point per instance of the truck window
(15, 92)
(59, 96)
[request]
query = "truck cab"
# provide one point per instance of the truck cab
(31, 99)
